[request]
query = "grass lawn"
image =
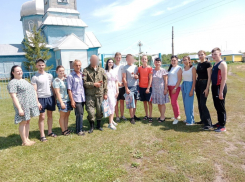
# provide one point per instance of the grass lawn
(140, 152)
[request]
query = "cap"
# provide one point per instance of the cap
(40, 60)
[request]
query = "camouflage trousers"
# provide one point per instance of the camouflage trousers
(93, 107)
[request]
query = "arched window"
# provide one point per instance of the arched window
(31, 25)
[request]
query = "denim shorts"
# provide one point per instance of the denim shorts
(68, 107)
(135, 90)
(47, 104)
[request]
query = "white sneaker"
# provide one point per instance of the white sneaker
(123, 117)
(175, 121)
(114, 123)
(117, 119)
(188, 124)
(111, 126)
(178, 117)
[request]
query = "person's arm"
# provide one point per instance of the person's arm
(206, 91)
(38, 103)
(17, 104)
(117, 89)
(149, 83)
(165, 78)
(69, 91)
(223, 68)
(105, 89)
(178, 82)
(57, 92)
(193, 82)
(125, 83)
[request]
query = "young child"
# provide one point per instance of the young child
(145, 80)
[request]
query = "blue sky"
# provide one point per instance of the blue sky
(119, 25)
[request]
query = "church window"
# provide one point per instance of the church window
(31, 25)
(63, 1)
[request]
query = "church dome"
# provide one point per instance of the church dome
(34, 7)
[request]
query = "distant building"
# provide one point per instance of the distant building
(229, 56)
(65, 33)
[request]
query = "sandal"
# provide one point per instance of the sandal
(66, 132)
(145, 118)
(52, 135)
(43, 139)
(161, 121)
(150, 120)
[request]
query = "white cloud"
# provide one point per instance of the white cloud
(121, 16)
(157, 13)
(180, 5)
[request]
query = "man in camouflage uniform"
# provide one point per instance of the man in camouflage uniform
(95, 84)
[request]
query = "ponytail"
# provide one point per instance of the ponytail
(12, 70)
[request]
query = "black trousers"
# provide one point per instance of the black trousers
(79, 110)
(201, 85)
(219, 104)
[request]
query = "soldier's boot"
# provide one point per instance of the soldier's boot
(91, 127)
(99, 125)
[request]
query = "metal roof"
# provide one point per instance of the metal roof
(71, 42)
(51, 20)
(63, 10)
(91, 40)
(34, 7)
(11, 50)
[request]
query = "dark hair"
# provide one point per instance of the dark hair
(158, 59)
(107, 67)
(216, 49)
(188, 57)
(40, 60)
(58, 67)
(170, 67)
(12, 70)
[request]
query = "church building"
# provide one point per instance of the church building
(64, 30)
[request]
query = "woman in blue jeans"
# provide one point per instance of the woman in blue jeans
(187, 88)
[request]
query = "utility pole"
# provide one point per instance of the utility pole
(173, 40)
(140, 45)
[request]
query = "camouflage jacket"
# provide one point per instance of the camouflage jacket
(90, 76)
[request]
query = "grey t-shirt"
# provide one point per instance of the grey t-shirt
(43, 82)
(129, 70)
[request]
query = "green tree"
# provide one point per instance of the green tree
(35, 47)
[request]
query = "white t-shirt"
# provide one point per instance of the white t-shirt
(187, 75)
(173, 75)
(118, 69)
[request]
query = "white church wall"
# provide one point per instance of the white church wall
(68, 56)
(55, 4)
(28, 20)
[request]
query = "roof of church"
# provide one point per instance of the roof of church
(11, 50)
(52, 20)
(91, 40)
(34, 7)
(63, 10)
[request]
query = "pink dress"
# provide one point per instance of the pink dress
(112, 78)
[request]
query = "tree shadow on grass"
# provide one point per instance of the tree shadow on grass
(168, 125)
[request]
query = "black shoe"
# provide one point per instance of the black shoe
(132, 121)
(207, 128)
(136, 118)
(200, 122)
(99, 125)
(91, 127)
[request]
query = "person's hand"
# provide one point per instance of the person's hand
(165, 91)
(39, 106)
(116, 95)
(127, 91)
(63, 106)
(206, 92)
(136, 76)
(98, 85)
(120, 84)
(21, 112)
(191, 93)
(221, 97)
(105, 97)
(73, 104)
(147, 91)
(174, 91)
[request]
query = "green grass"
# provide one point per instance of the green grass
(141, 152)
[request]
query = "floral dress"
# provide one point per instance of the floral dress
(26, 95)
(158, 86)
(112, 78)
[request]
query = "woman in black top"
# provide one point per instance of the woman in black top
(204, 70)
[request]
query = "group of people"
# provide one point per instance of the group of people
(117, 82)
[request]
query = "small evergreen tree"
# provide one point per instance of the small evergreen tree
(35, 48)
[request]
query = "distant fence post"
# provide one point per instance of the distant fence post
(102, 60)
(160, 56)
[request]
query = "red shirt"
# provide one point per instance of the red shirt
(144, 76)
